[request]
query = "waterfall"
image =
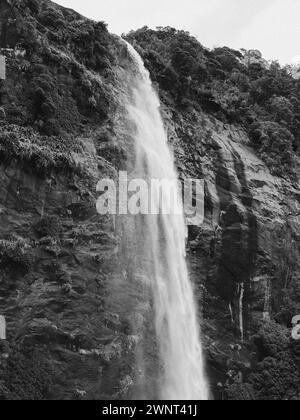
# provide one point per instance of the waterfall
(241, 309)
(162, 251)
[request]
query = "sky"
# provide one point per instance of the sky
(272, 26)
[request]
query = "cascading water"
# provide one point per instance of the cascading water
(163, 247)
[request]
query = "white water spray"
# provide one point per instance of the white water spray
(177, 331)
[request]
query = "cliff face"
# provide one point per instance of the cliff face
(67, 326)
(74, 311)
(238, 258)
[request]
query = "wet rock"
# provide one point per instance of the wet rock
(82, 211)
(44, 331)
(112, 321)
(2, 113)
(244, 203)
(4, 348)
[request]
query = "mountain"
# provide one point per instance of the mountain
(73, 328)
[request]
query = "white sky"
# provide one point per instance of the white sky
(272, 26)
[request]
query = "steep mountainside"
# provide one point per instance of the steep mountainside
(72, 304)
(67, 337)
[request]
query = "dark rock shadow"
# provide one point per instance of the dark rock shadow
(237, 238)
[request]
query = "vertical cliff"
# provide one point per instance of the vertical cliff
(68, 315)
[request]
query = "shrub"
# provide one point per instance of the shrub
(227, 58)
(275, 145)
(39, 153)
(276, 379)
(272, 340)
(34, 6)
(48, 226)
(15, 254)
(26, 375)
(48, 109)
(276, 376)
(52, 17)
(240, 392)
(282, 109)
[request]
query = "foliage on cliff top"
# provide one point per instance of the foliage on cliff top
(237, 87)
(58, 82)
(35, 24)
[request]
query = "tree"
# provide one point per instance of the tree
(282, 109)
(275, 145)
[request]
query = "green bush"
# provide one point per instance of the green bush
(276, 375)
(38, 153)
(48, 226)
(240, 392)
(227, 58)
(275, 145)
(25, 376)
(276, 379)
(15, 254)
(52, 17)
(272, 340)
(39, 90)
(34, 6)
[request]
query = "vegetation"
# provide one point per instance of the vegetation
(48, 226)
(56, 87)
(274, 142)
(15, 254)
(25, 376)
(39, 153)
(235, 86)
(275, 375)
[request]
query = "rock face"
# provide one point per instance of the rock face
(61, 291)
(57, 282)
(232, 255)
(75, 313)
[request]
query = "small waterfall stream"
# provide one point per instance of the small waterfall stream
(162, 252)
